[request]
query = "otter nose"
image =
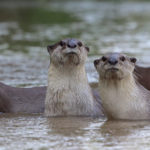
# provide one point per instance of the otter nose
(72, 43)
(112, 61)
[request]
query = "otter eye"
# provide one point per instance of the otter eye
(80, 43)
(133, 60)
(122, 58)
(104, 58)
(62, 43)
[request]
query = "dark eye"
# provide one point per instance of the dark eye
(80, 43)
(122, 58)
(62, 43)
(133, 60)
(104, 58)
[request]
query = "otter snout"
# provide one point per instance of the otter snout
(112, 60)
(71, 47)
(72, 43)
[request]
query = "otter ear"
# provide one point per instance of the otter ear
(133, 60)
(96, 62)
(50, 48)
(87, 48)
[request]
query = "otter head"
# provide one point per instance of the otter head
(115, 66)
(70, 52)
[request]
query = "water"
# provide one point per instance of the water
(38, 132)
(27, 27)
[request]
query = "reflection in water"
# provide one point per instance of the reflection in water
(40, 132)
(67, 126)
(71, 133)
(27, 27)
(126, 134)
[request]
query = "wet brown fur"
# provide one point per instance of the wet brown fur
(123, 97)
(13, 100)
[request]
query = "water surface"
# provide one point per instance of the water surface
(72, 133)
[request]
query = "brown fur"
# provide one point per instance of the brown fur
(68, 92)
(31, 100)
(27, 100)
(143, 76)
(123, 97)
(24, 100)
(14, 99)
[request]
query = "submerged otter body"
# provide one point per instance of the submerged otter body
(123, 97)
(26, 100)
(23, 100)
(143, 76)
(68, 92)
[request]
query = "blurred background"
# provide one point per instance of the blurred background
(28, 26)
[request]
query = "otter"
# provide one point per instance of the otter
(32, 100)
(68, 92)
(123, 97)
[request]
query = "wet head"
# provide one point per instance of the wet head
(115, 66)
(68, 52)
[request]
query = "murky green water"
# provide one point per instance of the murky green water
(27, 27)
